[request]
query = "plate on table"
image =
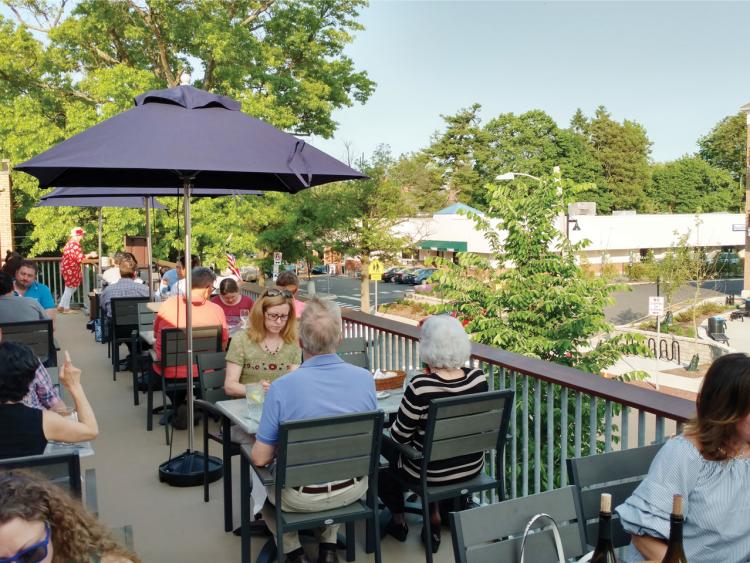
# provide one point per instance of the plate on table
(383, 394)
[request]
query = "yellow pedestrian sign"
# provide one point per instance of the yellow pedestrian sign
(375, 270)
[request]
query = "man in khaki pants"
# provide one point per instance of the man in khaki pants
(323, 385)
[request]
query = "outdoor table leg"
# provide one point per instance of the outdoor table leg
(245, 488)
(227, 458)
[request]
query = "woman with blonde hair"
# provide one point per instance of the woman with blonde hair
(709, 465)
(41, 523)
(269, 348)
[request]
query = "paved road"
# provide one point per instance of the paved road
(629, 305)
(347, 290)
(633, 305)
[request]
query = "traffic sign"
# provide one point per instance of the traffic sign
(375, 270)
(277, 257)
(655, 306)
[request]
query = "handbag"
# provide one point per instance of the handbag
(555, 534)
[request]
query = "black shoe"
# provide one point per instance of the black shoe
(398, 531)
(434, 536)
(297, 556)
(179, 418)
(327, 553)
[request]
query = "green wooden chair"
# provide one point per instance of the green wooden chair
(313, 451)
(616, 473)
(494, 532)
(37, 335)
(124, 322)
(140, 359)
(459, 426)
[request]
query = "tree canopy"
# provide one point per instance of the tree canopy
(726, 144)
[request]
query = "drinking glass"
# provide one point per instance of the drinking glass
(244, 317)
(254, 394)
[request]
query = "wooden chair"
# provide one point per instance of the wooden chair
(354, 351)
(616, 473)
(318, 450)
(212, 372)
(124, 321)
(37, 335)
(63, 469)
(494, 532)
(174, 354)
(459, 426)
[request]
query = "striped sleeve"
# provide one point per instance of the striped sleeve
(412, 409)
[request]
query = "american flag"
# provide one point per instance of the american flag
(233, 265)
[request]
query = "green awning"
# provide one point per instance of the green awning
(452, 245)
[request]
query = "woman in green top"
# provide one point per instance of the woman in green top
(268, 349)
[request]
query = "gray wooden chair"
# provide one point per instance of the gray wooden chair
(37, 335)
(124, 536)
(459, 426)
(494, 532)
(139, 360)
(174, 354)
(212, 372)
(616, 473)
(318, 451)
(354, 351)
(64, 470)
(124, 322)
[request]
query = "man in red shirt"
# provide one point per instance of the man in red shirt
(172, 315)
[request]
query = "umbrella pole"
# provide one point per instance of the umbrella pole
(187, 186)
(99, 248)
(147, 204)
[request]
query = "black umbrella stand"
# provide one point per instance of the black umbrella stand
(187, 469)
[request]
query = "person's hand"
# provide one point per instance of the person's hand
(266, 384)
(92, 255)
(70, 376)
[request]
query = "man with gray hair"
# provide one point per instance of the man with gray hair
(323, 385)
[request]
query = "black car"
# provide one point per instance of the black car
(403, 275)
(390, 272)
(319, 269)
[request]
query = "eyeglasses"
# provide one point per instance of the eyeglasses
(276, 292)
(34, 553)
(270, 317)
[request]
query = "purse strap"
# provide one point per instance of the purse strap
(555, 534)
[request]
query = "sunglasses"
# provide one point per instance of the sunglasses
(34, 553)
(277, 292)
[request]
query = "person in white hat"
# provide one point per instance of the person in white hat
(70, 267)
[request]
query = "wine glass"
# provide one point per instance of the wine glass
(244, 317)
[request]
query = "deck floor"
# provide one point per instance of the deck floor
(170, 524)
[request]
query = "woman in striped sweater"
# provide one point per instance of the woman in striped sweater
(445, 348)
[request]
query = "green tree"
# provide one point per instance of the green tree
(690, 184)
(726, 144)
(543, 305)
(420, 180)
(456, 151)
(622, 150)
(370, 212)
(62, 71)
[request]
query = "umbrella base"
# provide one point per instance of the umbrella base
(186, 470)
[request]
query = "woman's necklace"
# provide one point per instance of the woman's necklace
(272, 348)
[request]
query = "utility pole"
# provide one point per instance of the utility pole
(746, 282)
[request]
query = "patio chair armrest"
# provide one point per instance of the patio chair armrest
(407, 451)
(92, 501)
(264, 473)
(383, 463)
(206, 406)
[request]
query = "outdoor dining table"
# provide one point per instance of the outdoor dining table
(148, 335)
(84, 449)
(247, 418)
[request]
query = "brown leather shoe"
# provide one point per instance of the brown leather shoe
(327, 556)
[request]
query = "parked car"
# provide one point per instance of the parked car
(390, 272)
(410, 275)
(319, 269)
(423, 275)
(250, 273)
(398, 277)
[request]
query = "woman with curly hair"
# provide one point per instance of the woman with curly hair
(41, 523)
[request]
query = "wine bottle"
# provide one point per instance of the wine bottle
(675, 552)
(604, 552)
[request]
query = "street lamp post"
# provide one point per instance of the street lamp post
(746, 282)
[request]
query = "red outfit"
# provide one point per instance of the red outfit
(230, 311)
(72, 256)
(172, 315)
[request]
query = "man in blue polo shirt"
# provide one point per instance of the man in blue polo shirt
(27, 286)
(324, 385)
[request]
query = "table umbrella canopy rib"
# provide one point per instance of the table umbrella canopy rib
(140, 192)
(186, 132)
(58, 198)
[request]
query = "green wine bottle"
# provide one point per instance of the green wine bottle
(675, 552)
(605, 552)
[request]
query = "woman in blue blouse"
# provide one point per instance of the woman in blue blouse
(709, 465)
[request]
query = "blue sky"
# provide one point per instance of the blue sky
(675, 67)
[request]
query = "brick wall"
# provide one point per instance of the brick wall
(6, 209)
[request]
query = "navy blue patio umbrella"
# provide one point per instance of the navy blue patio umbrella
(196, 139)
(60, 198)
